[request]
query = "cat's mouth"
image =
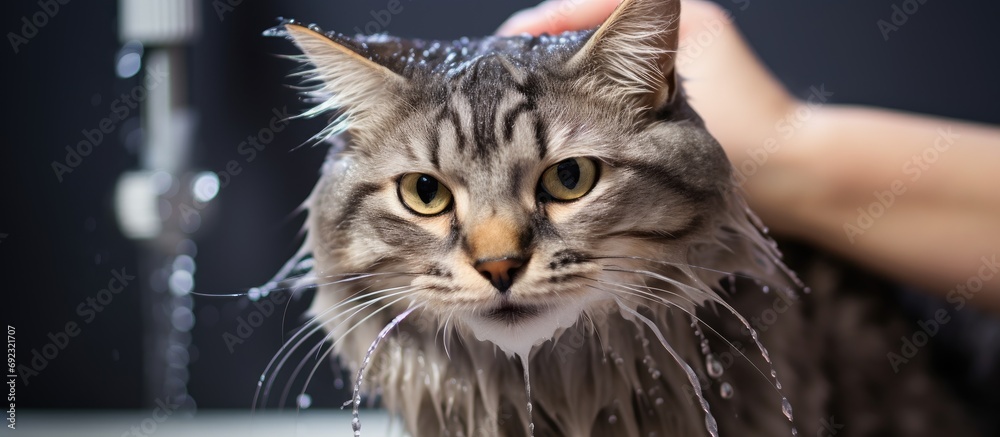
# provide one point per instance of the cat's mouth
(511, 313)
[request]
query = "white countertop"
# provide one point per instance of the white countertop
(214, 423)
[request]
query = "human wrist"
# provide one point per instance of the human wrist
(795, 188)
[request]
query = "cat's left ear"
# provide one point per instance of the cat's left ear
(633, 53)
(354, 84)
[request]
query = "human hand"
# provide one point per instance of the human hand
(737, 96)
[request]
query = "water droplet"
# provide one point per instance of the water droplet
(254, 294)
(786, 408)
(612, 419)
(710, 424)
(726, 391)
(659, 401)
(713, 366)
(655, 374)
(304, 401)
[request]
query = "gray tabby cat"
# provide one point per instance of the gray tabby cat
(552, 208)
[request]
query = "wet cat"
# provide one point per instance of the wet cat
(538, 236)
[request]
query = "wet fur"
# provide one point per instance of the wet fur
(487, 117)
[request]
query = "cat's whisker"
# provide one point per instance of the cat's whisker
(672, 293)
(349, 313)
(348, 277)
(356, 296)
(336, 342)
(304, 333)
(320, 358)
(319, 346)
(676, 264)
(715, 298)
(710, 424)
(658, 299)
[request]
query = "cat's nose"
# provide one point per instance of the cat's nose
(500, 272)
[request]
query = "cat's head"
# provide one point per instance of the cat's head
(510, 185)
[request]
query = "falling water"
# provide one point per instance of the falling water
(726, 390)
(356, 399)
(713, 366)
(786, 407)
(527, 390)
(756, 339)
(767, 358)
(710, 424)
(705, 350)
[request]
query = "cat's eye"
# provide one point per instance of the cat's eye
(570, 179)
(423, 194)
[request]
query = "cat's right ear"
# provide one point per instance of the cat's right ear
(631, 55)
(352, 83)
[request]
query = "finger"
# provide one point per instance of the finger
(557, 16)
(695, 13)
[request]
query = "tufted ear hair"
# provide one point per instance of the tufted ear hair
(632, 54)
(348, 81)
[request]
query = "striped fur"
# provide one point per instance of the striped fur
(663, 233)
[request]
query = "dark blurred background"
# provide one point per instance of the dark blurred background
(61, 241)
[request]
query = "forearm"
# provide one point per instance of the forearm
(915, 197)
